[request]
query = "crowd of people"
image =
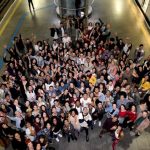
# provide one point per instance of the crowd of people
(51, 91)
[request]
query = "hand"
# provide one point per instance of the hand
(5, 46)
(114, 128)
(127, 38)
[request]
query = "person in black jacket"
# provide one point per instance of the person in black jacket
(54, 32)
(6, 133)
(12, 52)
(110, 125)
(18, 44)
(18, 141)
(56, 128)
(77, 6)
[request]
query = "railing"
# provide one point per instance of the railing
(3, 4)
(143, 10)
(67, 7)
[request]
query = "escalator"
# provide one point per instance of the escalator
(4, 6)
(144, 6)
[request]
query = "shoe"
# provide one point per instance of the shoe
(59, 135)
(78, 133)
(57, 139)
(50, 142)
(99, 123)
(137, 134)
(100, 136)
(72, 138)
(75, 138)
(68, 140)
(132, 133)
(87, 138)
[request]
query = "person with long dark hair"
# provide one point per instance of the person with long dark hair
(18, 141)
(130, 117)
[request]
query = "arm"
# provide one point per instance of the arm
(12, 118)
(32, 130)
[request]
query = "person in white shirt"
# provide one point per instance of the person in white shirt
(30, 131)
(31, 96)
(40, 102)
(81, 60)
(55, 45)
(88, 65)
(127, 48)
(85, 120)
(2, 92)
(17, 106)
(110, 86)
(38, 46)
(78, 107)
(66, 39)
(85, 100)
(49, 84)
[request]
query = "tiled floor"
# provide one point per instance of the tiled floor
(125, 19)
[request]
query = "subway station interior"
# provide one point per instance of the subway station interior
(53, 56)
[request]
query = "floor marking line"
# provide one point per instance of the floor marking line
(20, 22)
(18, 26)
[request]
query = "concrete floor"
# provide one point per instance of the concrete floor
(125, 19)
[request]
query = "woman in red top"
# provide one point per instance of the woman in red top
(130, 118)
(122, 114)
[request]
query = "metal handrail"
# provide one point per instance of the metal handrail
(71, 8)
